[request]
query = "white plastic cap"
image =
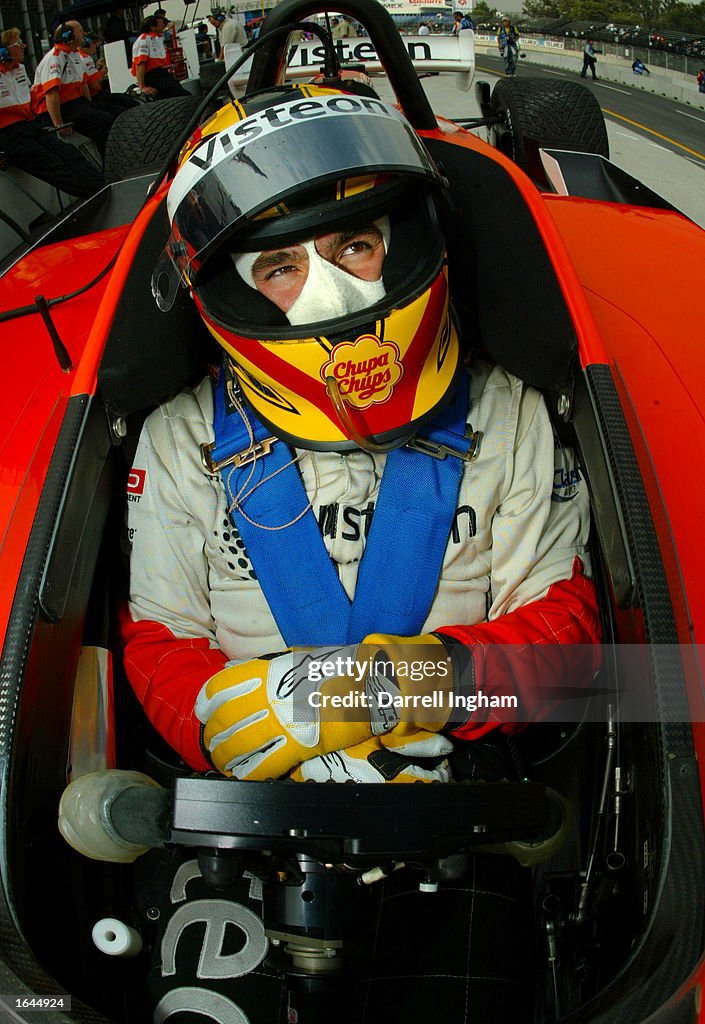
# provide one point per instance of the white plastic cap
(428, 886)
(115, 938)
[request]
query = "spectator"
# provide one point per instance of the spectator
(60, 95)
(150, 62)
(639, 68)
(701, 80)
(25, 144)
(97, 80)
(460, 23)
(203, 42)
(589, 59)
(508, 45)
(424, 29)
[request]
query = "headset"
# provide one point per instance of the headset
(63, 33)
(5, 57)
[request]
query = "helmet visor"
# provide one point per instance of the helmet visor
(286, 151)
(343, 277)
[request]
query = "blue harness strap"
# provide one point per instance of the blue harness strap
(413, 517)
(404, 550)
(303, 591)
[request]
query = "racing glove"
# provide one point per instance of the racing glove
(371, 761)
(264, 717)
(419, 680)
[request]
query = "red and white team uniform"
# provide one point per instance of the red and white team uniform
(14, 95)
(94, 78)
(149, 49)
(63, 69)
(515, 570)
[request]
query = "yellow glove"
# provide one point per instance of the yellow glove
(417, 683)
(372, 762)
(263, 717)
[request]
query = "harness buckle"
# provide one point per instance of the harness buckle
(241, 458)
(440, 451)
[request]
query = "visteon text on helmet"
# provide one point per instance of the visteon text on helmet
(281, 115)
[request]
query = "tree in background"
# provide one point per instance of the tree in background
(651, 14)
(481, 11)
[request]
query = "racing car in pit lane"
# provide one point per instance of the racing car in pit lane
(603, 810)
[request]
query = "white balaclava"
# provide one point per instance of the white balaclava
(328, 291)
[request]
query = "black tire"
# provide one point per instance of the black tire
(550, 115)
(210, 74)
(141, 139)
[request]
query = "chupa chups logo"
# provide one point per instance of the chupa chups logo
(366, 370)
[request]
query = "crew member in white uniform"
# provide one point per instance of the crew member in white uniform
(60, 95)
(24, 143)
(151, 62)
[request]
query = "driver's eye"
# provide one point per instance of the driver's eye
(358, 246)
(280, 271)
(337, 249)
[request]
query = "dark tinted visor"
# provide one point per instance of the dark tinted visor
(281, 153)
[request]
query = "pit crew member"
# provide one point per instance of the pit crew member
(150, 61)
(24, 143)
(60, 95)
(97, 80)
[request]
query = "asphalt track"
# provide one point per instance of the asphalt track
(657, 140)
(676, 126)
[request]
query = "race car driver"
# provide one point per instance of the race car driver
(291, 524)
(331, 304)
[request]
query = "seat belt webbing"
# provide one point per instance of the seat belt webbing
(404, 550)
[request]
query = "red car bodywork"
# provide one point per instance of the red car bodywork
(629, 276)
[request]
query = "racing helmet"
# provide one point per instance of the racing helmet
(363, 363)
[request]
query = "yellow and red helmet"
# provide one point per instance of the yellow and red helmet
(281, 169)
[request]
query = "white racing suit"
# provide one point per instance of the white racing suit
(515, 571)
